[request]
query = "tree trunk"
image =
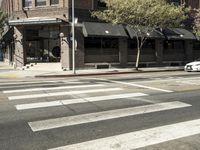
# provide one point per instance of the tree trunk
(137, 59)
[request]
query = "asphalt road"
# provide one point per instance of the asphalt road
(150, 111)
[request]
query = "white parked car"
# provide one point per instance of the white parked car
(193, 66)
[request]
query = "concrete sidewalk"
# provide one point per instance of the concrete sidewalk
(8, 72)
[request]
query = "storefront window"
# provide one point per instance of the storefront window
(27, 3)
(132, 44)
(92, 42)
(173, 46)
(176, 2)
(40, 2)
(196, 45)
(101, 46)
(101, 4)
(147, 48)
(42, 44)
(54, 2)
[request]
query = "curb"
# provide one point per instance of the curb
(105, 73)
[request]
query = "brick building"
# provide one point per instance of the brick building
(35, 26)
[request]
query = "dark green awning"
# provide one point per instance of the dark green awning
(94, 29)
(178, 34)
(152, 35)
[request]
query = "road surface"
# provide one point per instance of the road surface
(150, 111)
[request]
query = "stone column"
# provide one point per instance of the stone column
(33, 4)
(20, 5)
(20, 56)
(123, 51)
(48, 3)
(159, 51)
(66, 58)
(188, 50)
(61, 3)
(16, 5)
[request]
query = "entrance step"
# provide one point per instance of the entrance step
(44, 67)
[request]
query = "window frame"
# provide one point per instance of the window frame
(54, 4)
(36, 3)
(24, 4)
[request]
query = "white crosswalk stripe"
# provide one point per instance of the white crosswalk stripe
(139, 139)
(62, 93)
(53, 88)
(105, 115)
(79, 100)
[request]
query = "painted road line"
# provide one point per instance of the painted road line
(105, 115)
(62, 93)
(75, 101)
(142, 86)
(135, 85)
(38, 105)
(54, 88)
(140, 139)
(151, 88)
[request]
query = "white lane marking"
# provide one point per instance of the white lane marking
(136, 85)
(74, 101)
(53, 88)
(151, 88)
(105, 115)
(139, 139)
(62, 93)
(38, 105)
(142, 86)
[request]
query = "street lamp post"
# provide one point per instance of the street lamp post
(73, 39)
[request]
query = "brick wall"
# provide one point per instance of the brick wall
(56, 12)
(16, 11)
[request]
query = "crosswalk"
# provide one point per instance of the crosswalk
(75, 92)
(139, 139)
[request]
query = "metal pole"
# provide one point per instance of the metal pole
(73, 39)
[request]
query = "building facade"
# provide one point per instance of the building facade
(40, 31)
